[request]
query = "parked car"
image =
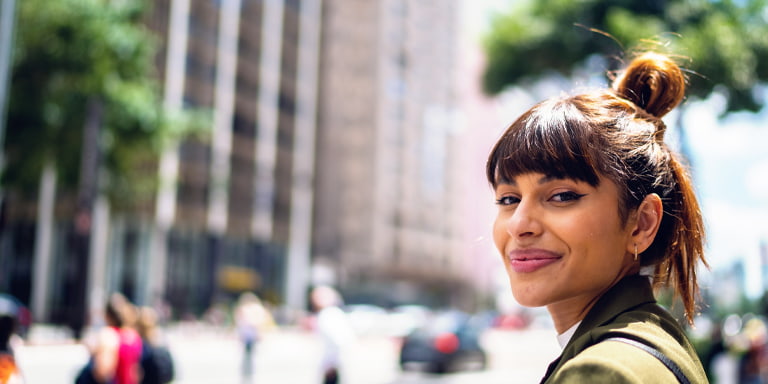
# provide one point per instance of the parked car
(449, 341)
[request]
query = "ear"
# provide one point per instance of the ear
(646, 225)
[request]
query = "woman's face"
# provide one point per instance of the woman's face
(561, 240)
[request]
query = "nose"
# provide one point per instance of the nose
(525, 220)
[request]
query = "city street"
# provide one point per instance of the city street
(291, 356)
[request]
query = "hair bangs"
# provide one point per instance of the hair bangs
(552, 139)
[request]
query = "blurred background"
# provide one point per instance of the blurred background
(183, 152)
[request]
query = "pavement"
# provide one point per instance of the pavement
(208, 354)
(49, 334)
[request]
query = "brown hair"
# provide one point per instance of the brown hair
(618, 133)
(146, 324)
(119, 311)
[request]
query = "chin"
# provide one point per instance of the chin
(525, 300)
(532, 303)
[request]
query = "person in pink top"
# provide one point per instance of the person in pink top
(117, 351)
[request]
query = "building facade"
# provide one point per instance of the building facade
(334, 155)
(235, 221)
(388, 224)
(231, 208)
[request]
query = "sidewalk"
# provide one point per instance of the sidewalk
(48, 334)
(51, 334)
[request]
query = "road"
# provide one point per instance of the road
(291, 356)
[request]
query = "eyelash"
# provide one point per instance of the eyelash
(564, 198)
(569, 196)
(505, 200)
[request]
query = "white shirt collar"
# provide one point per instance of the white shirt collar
(565, 337)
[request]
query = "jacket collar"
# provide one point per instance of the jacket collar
(628, 293)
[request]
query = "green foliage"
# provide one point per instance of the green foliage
(70, 52)
(723, 44)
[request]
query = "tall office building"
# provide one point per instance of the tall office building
(233, 208)
(387, 221)
(332, 156)
(232, 213)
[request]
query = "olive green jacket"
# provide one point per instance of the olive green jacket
(628, 310)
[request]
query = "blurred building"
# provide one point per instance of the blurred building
(226, 225)
(334, 156)
(387, 221)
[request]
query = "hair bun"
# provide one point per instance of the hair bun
(653, 82)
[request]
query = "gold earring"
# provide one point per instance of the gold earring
(635, 252)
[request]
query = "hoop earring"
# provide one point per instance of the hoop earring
(635, 252)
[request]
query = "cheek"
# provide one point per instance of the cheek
(597, 237)
(500, 234)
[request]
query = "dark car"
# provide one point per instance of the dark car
(449, 341)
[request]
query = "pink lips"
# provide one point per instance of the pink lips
(530, 260)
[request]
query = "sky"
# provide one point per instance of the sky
(730, 169)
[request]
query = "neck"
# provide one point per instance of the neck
(570, 311)
(566, 314)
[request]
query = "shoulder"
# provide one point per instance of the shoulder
(613, 362)
(107, 338)
(655, 327)
(331, 313)
(130, 335)
(650, 325)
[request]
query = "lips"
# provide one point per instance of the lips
(531, 260)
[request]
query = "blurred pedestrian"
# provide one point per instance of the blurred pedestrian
(334, 329)
(251, 320)
(594, 208)
(753, 366)
(116, 353)
(156, 360)
(716, 349)
(9, 370)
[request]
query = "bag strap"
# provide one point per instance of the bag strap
(657, 354)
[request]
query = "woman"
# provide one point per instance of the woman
(593, 209)
(334, 330)
(251, 319)
(156, 361)
(115, 356)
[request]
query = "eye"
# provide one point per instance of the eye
(507, 200)
(563, 197)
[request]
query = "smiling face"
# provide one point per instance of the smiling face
(562, 241)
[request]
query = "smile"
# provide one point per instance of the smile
(531, 260)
